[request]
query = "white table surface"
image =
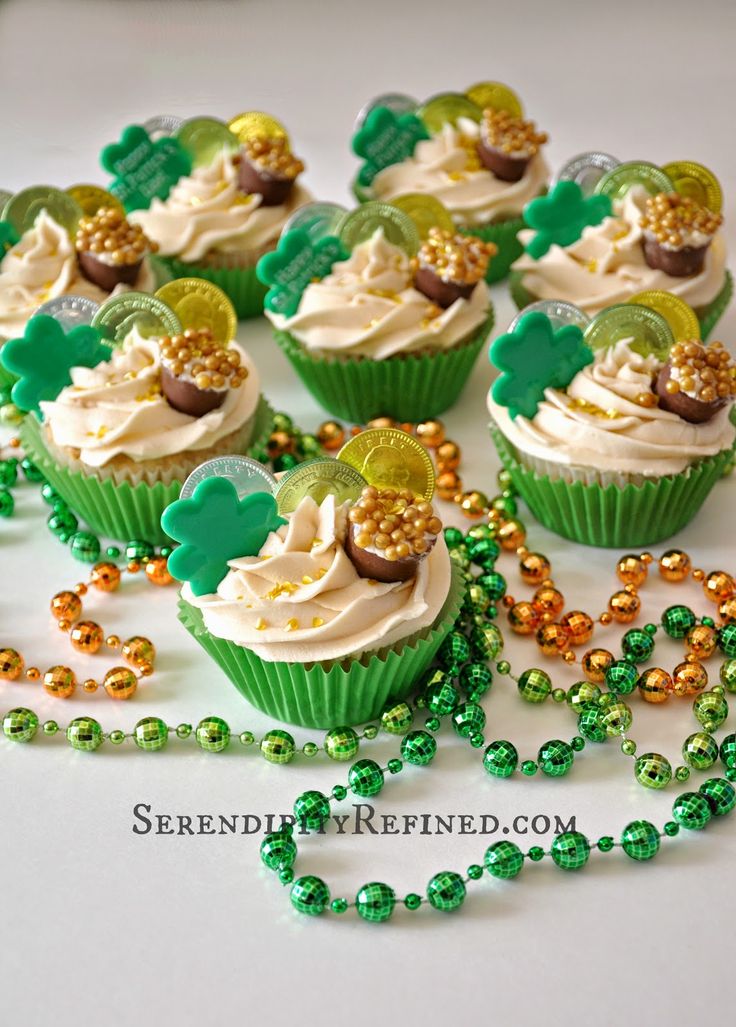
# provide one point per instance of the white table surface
(102, 925)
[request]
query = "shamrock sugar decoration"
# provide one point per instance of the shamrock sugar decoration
(42, 359)
(144, 169)
(296, 262)
(534, 357)
(8, 237)
(214, 526)
(386, 138)
(560, 216)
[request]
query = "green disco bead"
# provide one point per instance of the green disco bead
(653, 770)
(691, 810)
(534, 685)
(590, 725)
(285, 462)
(32, 473)
(441, 699)
(278, 850)
(8, 472)
(341, 744)
(727, 752)
(555, 758)
(454, 650)
(453, 537)
(397, 718)
(640, 840)
(506, 506)
(310, 446)
(418, 748)
(459, 556)
(529, 768)
(50, 727)
(484, 552)
(477, 599)
(150, 734)
(62, 523)
(728, 675)
(446, 891)
(413, 901)
(606, 843)
(339, 906)
(394, 766)
(310, 749)
(117, 737)
(721, 795)
(20, 724)
(282, 422)
(638, 645)
(570, 851)
(677, 621)
(475, 679)
(504, 479)
(727, 640)
(7, 503)
(582, 693)
(468, 719)
(671, 829)
(312, 810)
(50, 495)
(700, 750)
(375, 902)
(501, 759)
(278, 746)
(621, 676)
(628, 747)
(84, 734)
(474, 872)
(486, 642)
(682, 774)
(339, 793)
(616, 719)
(85, 547)
(365, 778)
(212, 734)
(731, 774)
(503, 860)
(494, 584)
(310, 895)
(138, 550)
(536, 854)
(480, 530)
(710, 708)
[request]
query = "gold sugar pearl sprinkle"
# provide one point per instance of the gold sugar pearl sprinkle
(208, 363)
(394, 521)
(670, 217)
(273, 155)
(107, 232)
(458, 258)
(704, 372)
(510, 134)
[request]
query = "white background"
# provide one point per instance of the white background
(101, 925)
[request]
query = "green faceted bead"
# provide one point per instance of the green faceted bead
(183, 731)
(605, 844)
(432, 723)
(85, 547)
(453, 537)
(339, 793)
(529, 768)
(727, 752)
(84, 734)
(534, 685)
(638, 645)
(558, 695)
(286, 876)
(728, 675)
(285, 462)
(468, 719)
(212, 734)
(700, 750)
(479, 530)
(640, 840)
(309, 895)
(310, 445)
(582, 693)
(418, 748)
(375, 902)
(312, 810)
(721, 795)
(555, 758)
(62, 523)
(475, 679)
(677, 621)
(446, 891)
(691, 810)
(459, 556)
(50, 495)
(278, 746)
(570, 850)
(341, 744)
(653, 770)
(365, 778)
(278, 850)
(339, 906)
(621, 676)
(484, 552)
(394, 766)
(397, 718)
(20, 724)
(536, 853)
(494, 584)
(486, 642)
(441, 699)
(8, 472)
(616, 719)
(731, 774)
(117, 737)
(710, 709)
(503, 860)
(577, 743)
(150, 734)
(138, 550)
(310, 749)
(413, 901)
(50, 727)
(727, 640)
(682, 774)
(628, 747)
(505, 505)
(477, 600)
(246, 738)
(454, 650)
(590, 724)
(501, 759)
(671, 829)
(32, 473)
(503, 667)
(7, 503)
(477, 740)
(474, 872)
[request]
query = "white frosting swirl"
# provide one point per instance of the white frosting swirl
(472, 194)
(207, 211)
(641, 441)
(42, 266)
(117, 409)
(368, 307)
(606, 265)
(333, 614)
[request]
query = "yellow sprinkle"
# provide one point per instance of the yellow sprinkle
(321, 573)
(261, 624)
(622, 233)
(593, 266)
(266, 557)
(316, 542)
(292, 624)
(317, 622)
(306, 580)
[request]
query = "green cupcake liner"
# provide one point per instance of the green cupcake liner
(245, 291)
(608, 515)
(121, 511)
(409, 388)
(317, 695)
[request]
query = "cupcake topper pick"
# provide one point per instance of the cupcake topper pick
(385, 138)
(214, 526)
(296, 261)
(534, 357)
(144, 169)
(560, 216)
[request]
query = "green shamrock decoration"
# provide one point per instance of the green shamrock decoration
(295, 263)
(535, 357)
(561, 215)
(214, 526)
(8, 237)
(43, 357)
(386, 138)
(144, 169)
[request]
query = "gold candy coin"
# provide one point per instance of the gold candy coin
(497, 96)
(697, 182)
(678, 314)
(91, 198)
(318, 479)
(250, 124)
(200, 304)
(389, 458)
(425, 211)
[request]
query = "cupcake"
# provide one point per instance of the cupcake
(621, 448)
(484, 163)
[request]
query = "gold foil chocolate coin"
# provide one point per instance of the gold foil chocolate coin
(389, 458)
(617, 182)
(149, 315)
(446, 108)
(496, 96)
(91, 198)
(425, 211)
(359, 225)
(646, 331)
(205, 138)
(319, 478)
(251, 124)
(678, 314)
(697, 182)
(24, 207)
(200, 304)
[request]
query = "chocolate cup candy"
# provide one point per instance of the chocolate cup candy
(273, 189)
(108, 276)
(438, 290)
(679, 263)
(185, 397)
(503, 166)
(371, 565)
(689, 409)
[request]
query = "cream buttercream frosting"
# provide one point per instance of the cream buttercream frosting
(447, 167)
(606, 265)
(302, 601)
(42, 266)
(597, 423)
(207, 211)
(368, 307)
(117, 408)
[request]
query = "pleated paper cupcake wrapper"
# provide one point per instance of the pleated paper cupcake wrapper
(409, 388)
(612, 515)
(119, 511)
(241, 284)
(325, 695)
(708, 316)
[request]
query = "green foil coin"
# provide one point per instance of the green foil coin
(23, 208)
(316, 219)
(360, 225)
(646, 331)
(319, 479)
(616, 183)
(119, 315)
(446, 108)
(425, 211)
(205, 138)
(246, 474)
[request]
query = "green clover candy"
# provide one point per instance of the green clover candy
(386, 138)
(561, 215)
(295, 263)
(144, 169)
(214, 526)
(43, 358)
(8, 237)
(534, 357)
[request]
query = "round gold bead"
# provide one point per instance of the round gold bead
(689, 678)
(719, 586)
(632, 570)
(60, 682)
(624, 606)
(534, 568)
(655, 685)
(66, 606)
(674, 565)
(595, 663)
(86, 636)
(11, 664)
(120, 683)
